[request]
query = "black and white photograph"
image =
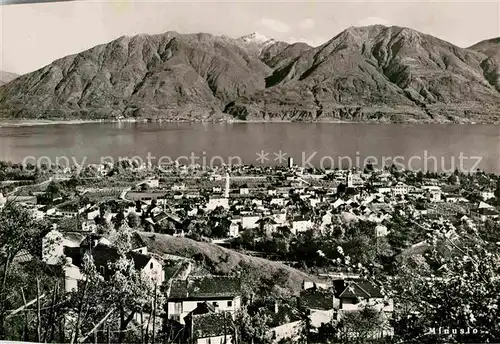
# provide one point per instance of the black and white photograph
(249, 171)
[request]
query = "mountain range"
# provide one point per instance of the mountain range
(6, 77)
(367, 74)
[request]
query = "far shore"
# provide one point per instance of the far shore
(36, 122)
(4, 123)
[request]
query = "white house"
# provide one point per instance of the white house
(184, 295)
(3, 200)
(381, 231)
(153, 183)
(400, 189)
(383, 190)
(250, 221)
(217, 189)
(354, 295)
(434, 195)
(486, 195)
(215, 202)
(285, 323)
(320, 303)
(354, 180)
(278, 201)
(178, 187)
(301, 225)
(54, 242)
(93, 214)
(234, 230)
(89, 226)
(279, 217)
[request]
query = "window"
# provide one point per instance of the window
(151, 265)
(178, 308)
(215, 304)
(230, 303)
(103, 270)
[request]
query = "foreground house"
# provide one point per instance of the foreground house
(206, 325)
(320, 305)
(483, 213)
(104, 255)
(54, 242)
(354, 295)
(285, 323)
(184, 295)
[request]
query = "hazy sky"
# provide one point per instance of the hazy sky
(33, 35)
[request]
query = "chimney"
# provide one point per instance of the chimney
(276, 307)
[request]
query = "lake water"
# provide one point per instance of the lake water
(421, 146)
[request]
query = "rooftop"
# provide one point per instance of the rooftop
(212, 324)
(205, 287)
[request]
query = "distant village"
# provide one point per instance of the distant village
(265, 214)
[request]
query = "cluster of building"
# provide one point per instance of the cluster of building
(203, 307)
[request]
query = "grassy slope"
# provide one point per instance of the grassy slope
(220, 260)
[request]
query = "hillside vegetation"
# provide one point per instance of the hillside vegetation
(221, 261)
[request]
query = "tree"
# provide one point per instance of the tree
(453, 179)
(124, 291)
(253, 326)
(357, 327)
(454, 285)
(134, 221)
(118, 220)
(18, 231)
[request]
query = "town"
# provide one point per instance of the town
(125, 252)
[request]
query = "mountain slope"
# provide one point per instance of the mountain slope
(6, 77)
(169, 75)
(375, 73)
(491, 65)
(378, 73)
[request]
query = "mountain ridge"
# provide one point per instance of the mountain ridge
(6, 77)
(374, 74)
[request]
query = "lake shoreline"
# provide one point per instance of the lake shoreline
(30, 123)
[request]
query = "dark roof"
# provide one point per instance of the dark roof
(76, 237)
(70, 206)
(137, 241)
(205, 287)
(266, 220)
(178, 289)
(202, 308)
(171, 268)
(316, 299)
(140, 260)
(89, 239)
(356, 288)
(212, 325)
(487, 211)
(74, 254)
(103, 255)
